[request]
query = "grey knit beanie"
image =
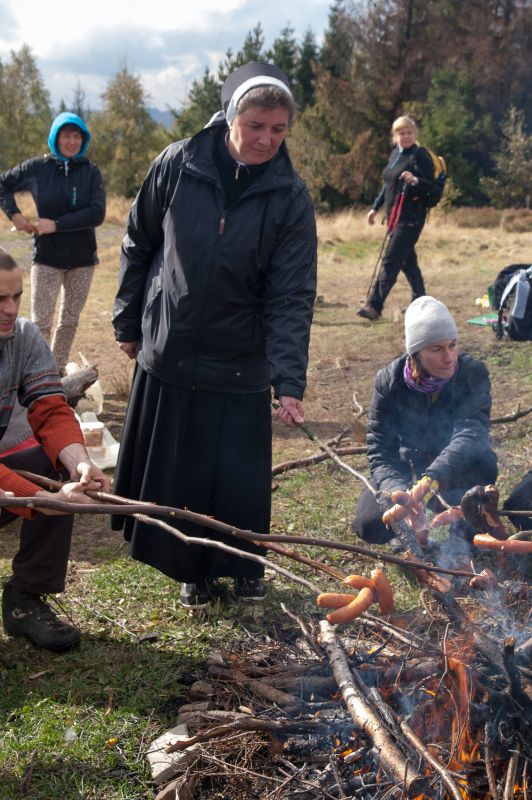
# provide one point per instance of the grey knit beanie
(427, 321)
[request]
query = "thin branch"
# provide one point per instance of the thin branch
(511, 417)
(113, 504)
(131, 508)
(317, 458)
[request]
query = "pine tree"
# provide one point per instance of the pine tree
(510, 185)
(454, 126)
(125, 137)
(284, 52)
(304, 73)
(25, 111)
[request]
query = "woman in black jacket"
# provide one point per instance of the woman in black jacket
(69, 195)
(429, 416)
(215, 301)
(408, 187)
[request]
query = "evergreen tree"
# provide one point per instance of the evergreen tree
(304, 73)
(25, 112)
(125, 137)
(204, 98)
(203, 102)
(510, 185)
(454, 126)
(284, 53)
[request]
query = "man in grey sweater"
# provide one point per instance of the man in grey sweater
(28, 373)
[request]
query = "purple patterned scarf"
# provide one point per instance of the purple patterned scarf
(426, 383)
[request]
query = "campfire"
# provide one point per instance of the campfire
(434, 704)
(396, 707)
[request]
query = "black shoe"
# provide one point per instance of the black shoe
(250, 590)
(368, 312)
(26, 614)
(194, 595)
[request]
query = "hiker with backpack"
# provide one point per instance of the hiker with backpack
(410, 188)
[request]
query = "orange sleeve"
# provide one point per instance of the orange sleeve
(11, 482)
(54, 425)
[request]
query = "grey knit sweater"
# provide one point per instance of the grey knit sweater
(27, 371)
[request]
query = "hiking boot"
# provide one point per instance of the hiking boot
(250, 590)
(368, 312)
(194, 595)
(27, 614)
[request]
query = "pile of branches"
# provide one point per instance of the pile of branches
(380, 710)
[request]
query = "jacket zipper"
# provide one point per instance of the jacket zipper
(221, 226)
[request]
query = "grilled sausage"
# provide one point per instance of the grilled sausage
(357, 607)
(334, 599)
(446, 517)
(359, 582)
(488, 542)
(384, 591)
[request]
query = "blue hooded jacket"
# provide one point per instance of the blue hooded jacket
(69, 191)
(68, 118)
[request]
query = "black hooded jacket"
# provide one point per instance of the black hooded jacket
(411, 434)
(417, 160)
(69, 192)
(219, 295)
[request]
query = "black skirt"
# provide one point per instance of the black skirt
(209, 452)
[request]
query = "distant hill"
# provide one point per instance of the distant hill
(163, 118)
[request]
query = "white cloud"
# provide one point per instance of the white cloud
(169, 43)
(49, 26)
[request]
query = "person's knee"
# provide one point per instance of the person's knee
(371, 530)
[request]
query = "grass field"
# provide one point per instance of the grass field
(77, 726)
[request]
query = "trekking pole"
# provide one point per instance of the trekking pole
(377, 265)
(397, 210)
(393, 221)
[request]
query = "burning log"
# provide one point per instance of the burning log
(392, 759)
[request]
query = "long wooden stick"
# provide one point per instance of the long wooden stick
(113, 504)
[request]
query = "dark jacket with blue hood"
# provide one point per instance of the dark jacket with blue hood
(68, 190)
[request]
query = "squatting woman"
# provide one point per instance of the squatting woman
(429, 416)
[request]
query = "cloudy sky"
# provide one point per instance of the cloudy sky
(168, 43)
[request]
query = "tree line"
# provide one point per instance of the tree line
(461, 68)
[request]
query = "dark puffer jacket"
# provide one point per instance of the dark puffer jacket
(69, 192)
(446, 438)
(220, 297)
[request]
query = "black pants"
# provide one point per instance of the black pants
(40, 565)
(400, 255)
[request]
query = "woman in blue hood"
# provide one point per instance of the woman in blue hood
(70, 198)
